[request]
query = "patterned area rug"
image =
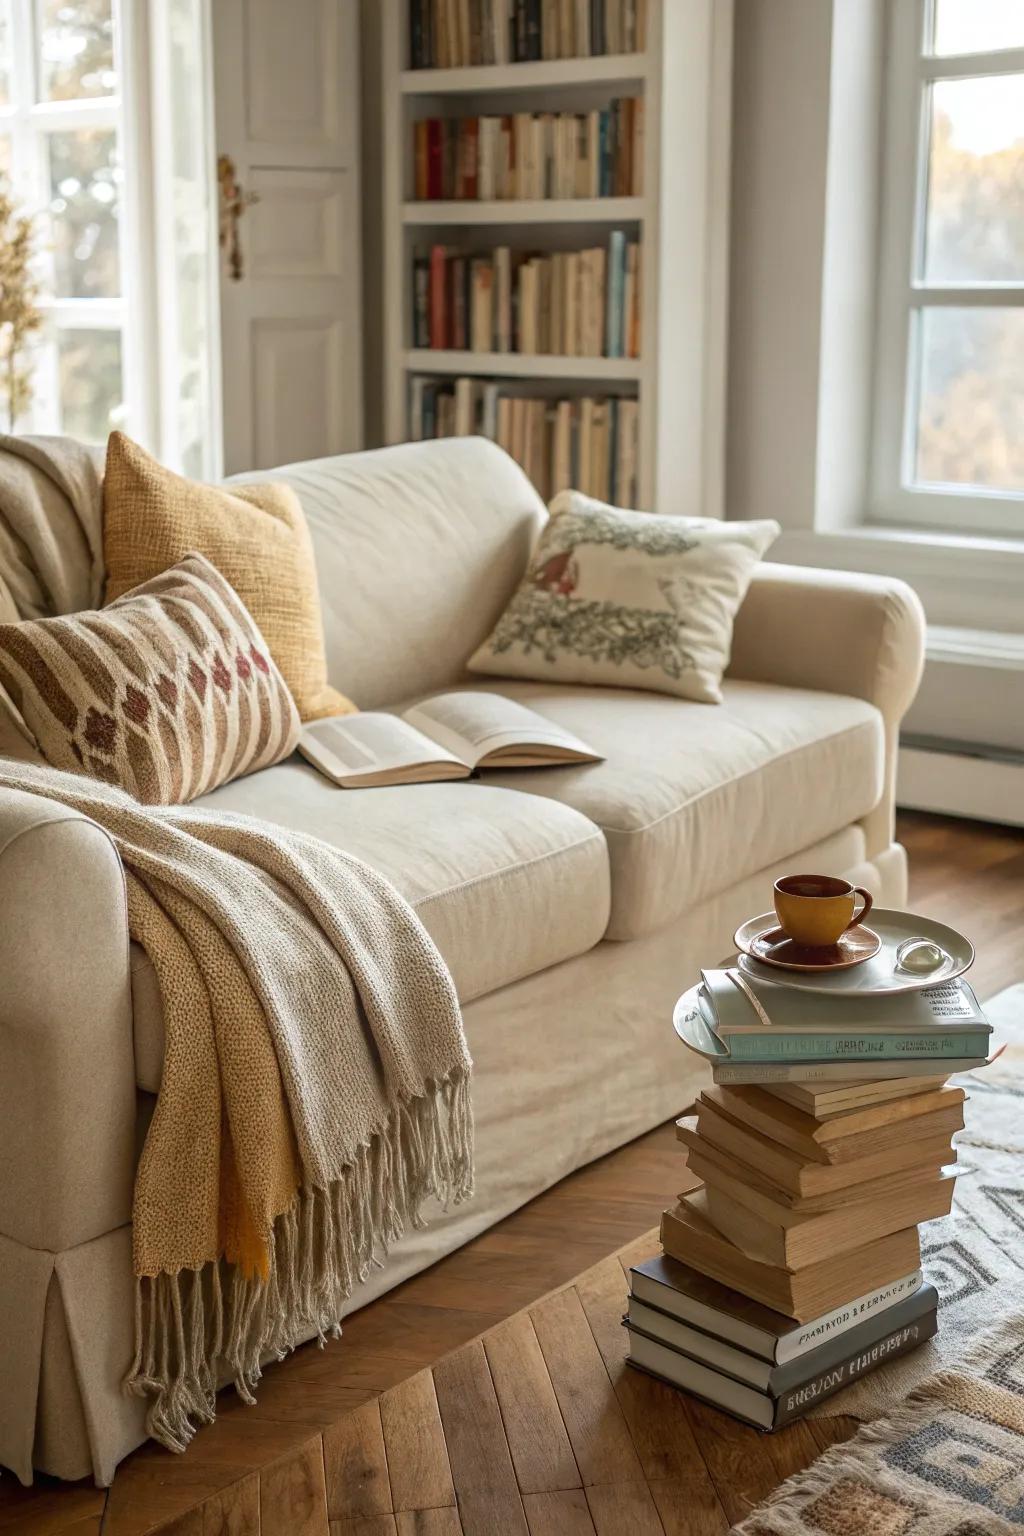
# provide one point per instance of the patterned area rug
(949, 1462)
(975, 1256)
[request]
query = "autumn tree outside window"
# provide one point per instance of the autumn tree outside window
(949, 428)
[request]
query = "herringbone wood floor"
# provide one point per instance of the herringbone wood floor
(262, 1470)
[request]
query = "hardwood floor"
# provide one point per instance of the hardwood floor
(266, 1458)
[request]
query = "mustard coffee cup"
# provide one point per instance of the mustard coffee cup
(818, 909)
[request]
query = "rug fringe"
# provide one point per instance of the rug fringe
(328, 1240)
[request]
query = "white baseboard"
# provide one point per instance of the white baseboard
(956, 784)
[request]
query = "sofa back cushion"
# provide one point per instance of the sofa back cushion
(418, 550)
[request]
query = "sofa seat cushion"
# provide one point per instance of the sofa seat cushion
(505, 883)
(692, 797)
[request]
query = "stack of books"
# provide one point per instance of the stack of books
(585, 443)
(450, 34)
(531, 154)
(566, 304)
(794, 1266)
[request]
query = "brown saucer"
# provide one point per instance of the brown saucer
(762, 939)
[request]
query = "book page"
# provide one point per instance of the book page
(367, 748)
(474, 726)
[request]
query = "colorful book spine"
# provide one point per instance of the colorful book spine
(616, 282)
(454, 34)
(583, 442)
(809, 1047)
(557, 155)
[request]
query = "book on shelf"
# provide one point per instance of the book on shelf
(448, 736)
(788, 1170)
(791, 1391)
(677, 1291)
(562, 304)
(587, 444)
(456, 34)
(688, 1234)
(849, 1134)
(537, 155)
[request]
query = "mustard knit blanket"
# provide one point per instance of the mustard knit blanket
(315, 1087)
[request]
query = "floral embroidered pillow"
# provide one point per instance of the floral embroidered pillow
(167, 692)
(628, 600)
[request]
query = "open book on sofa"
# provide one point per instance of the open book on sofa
(446, 737)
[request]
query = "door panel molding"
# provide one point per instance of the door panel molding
(297, 228)
(287, 108)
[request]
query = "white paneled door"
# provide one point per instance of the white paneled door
(286, 89)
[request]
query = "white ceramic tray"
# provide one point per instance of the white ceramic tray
(878, 976)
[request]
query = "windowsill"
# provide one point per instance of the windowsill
(964, 582)
(933, 547)
(939, 540)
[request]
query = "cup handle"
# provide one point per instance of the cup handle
(859, 917)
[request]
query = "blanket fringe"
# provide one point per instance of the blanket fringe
(187, 1324)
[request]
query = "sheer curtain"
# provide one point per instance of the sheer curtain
(184, 234)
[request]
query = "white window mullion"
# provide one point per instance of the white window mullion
(968, 295)
(961, 66)
(57, 116)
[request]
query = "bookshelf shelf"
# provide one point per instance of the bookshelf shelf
(522, 365)
(684, 78)
(610, 69)
(549, 210)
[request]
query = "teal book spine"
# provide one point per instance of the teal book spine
(615, 280)
(783, 1047)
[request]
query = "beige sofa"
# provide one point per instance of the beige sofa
(572, 905)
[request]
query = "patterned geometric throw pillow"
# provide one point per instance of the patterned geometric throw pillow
(628, 600)
(167, 692)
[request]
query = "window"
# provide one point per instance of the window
(62, 151)
(949, 429)
(120, 179)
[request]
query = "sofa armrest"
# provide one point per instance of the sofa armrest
(838, 632)
(67, 1080)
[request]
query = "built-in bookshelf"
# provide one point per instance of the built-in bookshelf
(478, 160)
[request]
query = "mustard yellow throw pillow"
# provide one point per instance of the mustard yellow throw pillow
(255, 535)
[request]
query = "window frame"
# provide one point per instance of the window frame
(903, 297)
(28, 121)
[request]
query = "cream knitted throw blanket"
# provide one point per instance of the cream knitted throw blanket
(315, 1087)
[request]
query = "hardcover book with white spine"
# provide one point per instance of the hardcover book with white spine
(763, 1409)
(678, 1291)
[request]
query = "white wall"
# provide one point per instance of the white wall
(781, 53)
(806, 188)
